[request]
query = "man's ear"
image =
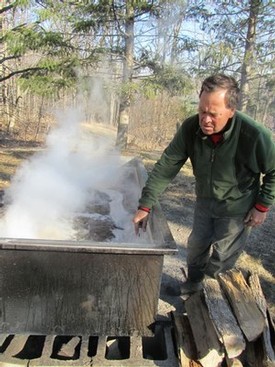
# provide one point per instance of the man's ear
(232, 112)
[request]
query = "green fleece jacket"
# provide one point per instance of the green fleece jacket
(237, 173)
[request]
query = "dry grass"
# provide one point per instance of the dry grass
(10, 160)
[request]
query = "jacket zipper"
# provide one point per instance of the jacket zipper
(212, 158)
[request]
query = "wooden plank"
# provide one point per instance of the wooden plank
(223, 319)
(209, 349)
(250, 318)
(186, 347)
(254, 283)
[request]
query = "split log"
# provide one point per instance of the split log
(184, 339)
(209, 349)
(250, 318)
(223, 319)
(257, 292)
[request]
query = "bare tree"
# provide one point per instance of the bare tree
(124, 108)
(249, 53)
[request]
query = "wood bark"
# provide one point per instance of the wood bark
(184, 338)
(223, 319)
(249, 53)
(124, 108)
(257, 292)
(250, 318)
(209, 348)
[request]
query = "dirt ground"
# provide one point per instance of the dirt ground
(177, 203)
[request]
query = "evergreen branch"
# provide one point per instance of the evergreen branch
(7, 58)
(8, 7)
(17, 72)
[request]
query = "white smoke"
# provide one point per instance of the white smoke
(55, 183)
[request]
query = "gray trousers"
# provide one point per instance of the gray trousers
(215, 243)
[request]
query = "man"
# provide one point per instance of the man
(233, 160)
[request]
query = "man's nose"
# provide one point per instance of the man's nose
(207, 118)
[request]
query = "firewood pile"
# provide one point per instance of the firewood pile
(227, 324)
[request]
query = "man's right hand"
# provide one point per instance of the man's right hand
(140, 220)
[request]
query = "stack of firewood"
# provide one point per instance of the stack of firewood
(227, 324)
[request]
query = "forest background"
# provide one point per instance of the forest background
(134, 65)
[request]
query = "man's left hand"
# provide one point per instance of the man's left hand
(255, 218)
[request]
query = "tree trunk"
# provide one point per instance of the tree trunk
(124, 107)
(249, 54)
(3, 84)
(176, 33)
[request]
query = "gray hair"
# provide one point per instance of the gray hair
(221, 81)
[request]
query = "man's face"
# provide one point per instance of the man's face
(213, 113)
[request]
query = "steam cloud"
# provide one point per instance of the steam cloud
(56, 183)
